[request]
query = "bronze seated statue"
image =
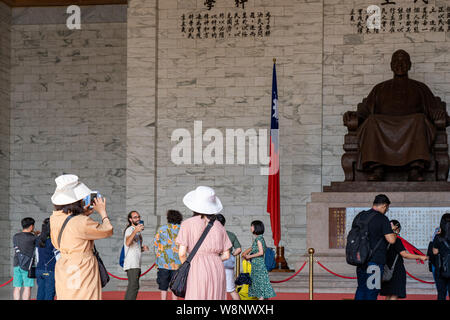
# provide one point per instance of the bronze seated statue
(398, 132)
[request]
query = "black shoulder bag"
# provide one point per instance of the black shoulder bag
(104, 276)
(179, 280)
(32, 267)
(389, 272)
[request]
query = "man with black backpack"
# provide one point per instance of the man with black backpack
(24, 246)
(367, 247)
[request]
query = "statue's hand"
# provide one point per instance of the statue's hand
(439, 115)
(349, 116)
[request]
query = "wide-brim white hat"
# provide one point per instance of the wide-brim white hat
(203, 200)
(69, 190)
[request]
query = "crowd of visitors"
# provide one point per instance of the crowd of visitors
(64, 261)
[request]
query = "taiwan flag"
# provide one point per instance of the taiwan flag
(273, 193)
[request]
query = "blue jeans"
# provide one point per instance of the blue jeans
(46, 284)
(435, 274)
(369, 281)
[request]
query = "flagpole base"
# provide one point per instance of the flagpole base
(281, 264)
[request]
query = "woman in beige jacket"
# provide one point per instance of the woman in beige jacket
(76, 272)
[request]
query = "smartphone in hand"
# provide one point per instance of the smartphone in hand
(89, 199)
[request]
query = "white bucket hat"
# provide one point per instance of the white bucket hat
(69, 190)
(203, 200)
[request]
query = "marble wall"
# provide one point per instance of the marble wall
(68, 111)
(226, 83)
(141, 118)
(5, 84)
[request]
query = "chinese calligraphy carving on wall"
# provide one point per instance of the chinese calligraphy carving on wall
(336, 231)
(225, 25)
(395, 19)
(209, 4)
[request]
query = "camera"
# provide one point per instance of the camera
(89, 199)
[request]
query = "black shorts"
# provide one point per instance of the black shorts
(163, 278)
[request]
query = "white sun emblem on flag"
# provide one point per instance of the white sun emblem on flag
(275, 108)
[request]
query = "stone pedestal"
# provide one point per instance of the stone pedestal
(318, 222)
(388, 186)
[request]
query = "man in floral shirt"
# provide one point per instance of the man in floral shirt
(166, 251)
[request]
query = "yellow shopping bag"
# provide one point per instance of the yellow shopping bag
(243, 289)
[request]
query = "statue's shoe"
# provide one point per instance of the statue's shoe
(415, 175)
(377, 175)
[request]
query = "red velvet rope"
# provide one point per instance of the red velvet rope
(2, 285)
(273, 281)
(148, 269)
(9, 281)
(143, 274)
(415, 278)
(423, 281)
(333, 273)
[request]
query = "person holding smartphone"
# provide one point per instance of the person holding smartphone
(77, 275)
(133, 243)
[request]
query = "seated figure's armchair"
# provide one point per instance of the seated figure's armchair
(436, 171)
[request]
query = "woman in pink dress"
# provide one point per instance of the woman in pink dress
(206, 279)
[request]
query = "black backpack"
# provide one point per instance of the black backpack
(357, 249)
(432, 257)
(445, 262)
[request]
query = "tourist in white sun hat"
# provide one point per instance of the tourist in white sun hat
(206, 279)
(76, 272)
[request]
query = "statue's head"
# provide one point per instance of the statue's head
(400, 63)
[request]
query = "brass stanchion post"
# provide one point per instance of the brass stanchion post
(237, 270)
(311, 272)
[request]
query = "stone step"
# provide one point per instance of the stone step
(324, 282)
(300, 283)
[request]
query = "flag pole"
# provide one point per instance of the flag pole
(281, 264)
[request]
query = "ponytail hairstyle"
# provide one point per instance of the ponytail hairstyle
(45, 233)
(221, 219)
